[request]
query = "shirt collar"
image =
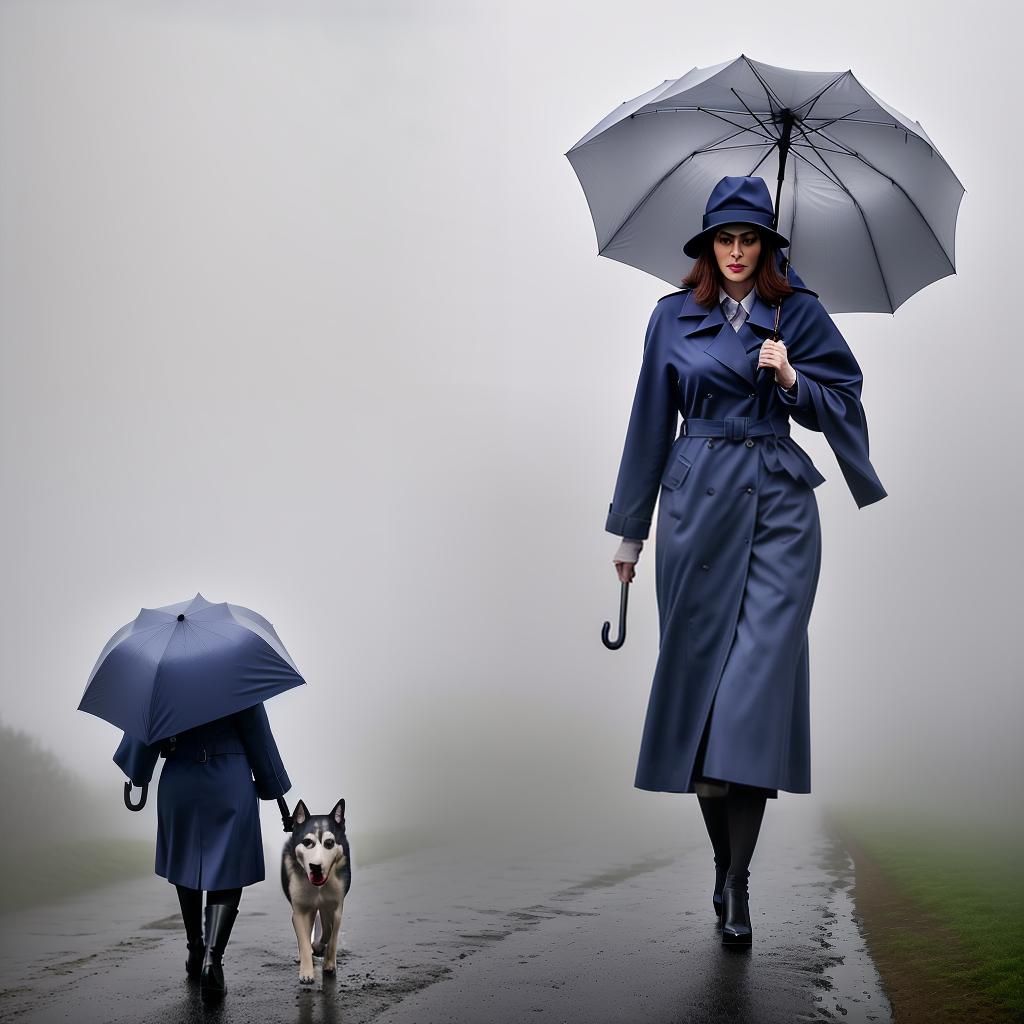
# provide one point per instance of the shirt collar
(747, 302)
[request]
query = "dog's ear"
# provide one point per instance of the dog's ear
(300, 814)
(338, 814)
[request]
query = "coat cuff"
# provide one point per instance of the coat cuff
(271, 786)
(136, 759)
(627, 526)
(799, 397)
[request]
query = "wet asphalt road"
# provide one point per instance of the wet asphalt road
(575, 931)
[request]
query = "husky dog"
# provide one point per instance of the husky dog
(316, 874)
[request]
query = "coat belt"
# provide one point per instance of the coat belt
(194, 752)
(735, 427)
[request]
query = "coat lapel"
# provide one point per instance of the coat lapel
(725, 344)
(762, 315)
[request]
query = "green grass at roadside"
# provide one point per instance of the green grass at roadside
(968, 877)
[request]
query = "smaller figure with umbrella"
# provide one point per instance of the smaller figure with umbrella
(187, 682)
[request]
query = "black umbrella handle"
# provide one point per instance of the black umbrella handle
(128, 797)
(614, 645)
(286, 817)
(762, 373)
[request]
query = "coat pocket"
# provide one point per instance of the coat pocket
(675, 472)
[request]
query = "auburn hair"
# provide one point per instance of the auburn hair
(705, 277)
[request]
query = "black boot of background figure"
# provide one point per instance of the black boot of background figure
(219, 919)
(191, 901)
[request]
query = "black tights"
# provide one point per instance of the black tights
(191, 901)
(733, 822)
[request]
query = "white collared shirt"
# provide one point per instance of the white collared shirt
(747, 302)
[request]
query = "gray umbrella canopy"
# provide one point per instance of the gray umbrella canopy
(867, 201)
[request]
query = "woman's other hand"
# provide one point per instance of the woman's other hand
(626, 557)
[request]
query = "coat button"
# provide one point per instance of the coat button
(711, 444)
(753, 394)
(705, 566)
(750, 442)
(750, 490)
(711, 490)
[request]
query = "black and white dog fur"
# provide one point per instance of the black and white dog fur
(316, 874)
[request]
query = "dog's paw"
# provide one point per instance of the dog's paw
(330, 966)
(318, 948)
(307, 978)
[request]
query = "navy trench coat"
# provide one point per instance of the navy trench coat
(208, 831)
(738, 540)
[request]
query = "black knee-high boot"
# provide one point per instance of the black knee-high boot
(191, 901)
(745, 808)
(221, 911)
(716, 819)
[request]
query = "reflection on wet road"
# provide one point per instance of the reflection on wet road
(587, 931)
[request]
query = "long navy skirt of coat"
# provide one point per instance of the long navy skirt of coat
(738, 544)
(208, 822)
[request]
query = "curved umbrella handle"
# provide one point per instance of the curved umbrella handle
(614, 645)
(128, 797)
(286, 817)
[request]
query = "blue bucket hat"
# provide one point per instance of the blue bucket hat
(737, 201)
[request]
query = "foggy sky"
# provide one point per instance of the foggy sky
(301, 309)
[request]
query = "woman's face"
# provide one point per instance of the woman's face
(737, 250)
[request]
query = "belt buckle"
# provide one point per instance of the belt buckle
(735, 427)
(202, 757)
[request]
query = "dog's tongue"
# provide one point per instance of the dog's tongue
(318, 881)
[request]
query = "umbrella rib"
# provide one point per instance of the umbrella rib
(654, 188)
(679, 110)
(743, 128)
(837, 152)
(742, 145)
(881, 124)
(863, 120)
(863, 217)
(764, 85)
(767, 130)
(713, 111)
(814, 99)
(823, 171)
(767, 153)
(828, 121)
(892, 181)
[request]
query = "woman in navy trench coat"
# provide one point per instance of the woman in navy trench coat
(208, 834)
(738, 536)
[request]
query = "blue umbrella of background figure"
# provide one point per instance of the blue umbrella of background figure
(185, 664)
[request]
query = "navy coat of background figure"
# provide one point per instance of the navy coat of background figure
(738, 547)
(208, 834)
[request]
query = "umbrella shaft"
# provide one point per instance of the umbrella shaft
(787, 131)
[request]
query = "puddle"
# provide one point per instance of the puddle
(850, 988)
